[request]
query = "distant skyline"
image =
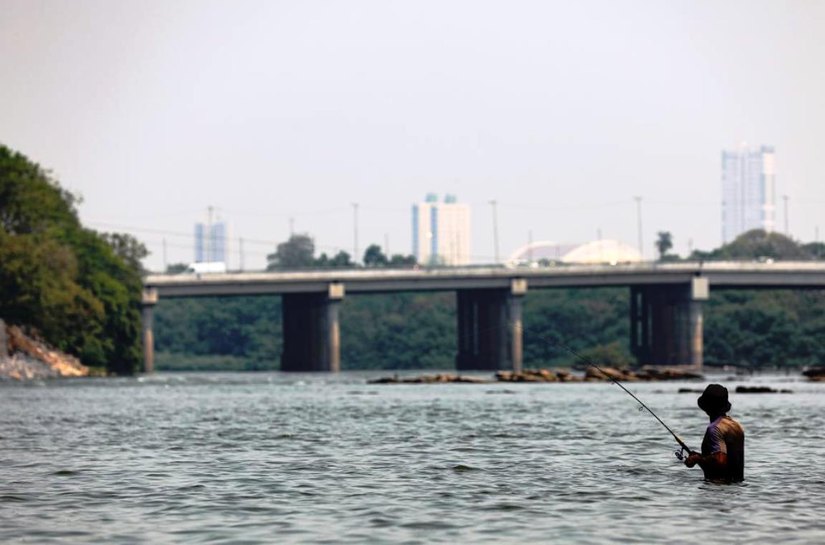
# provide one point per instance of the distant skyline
(281, 115)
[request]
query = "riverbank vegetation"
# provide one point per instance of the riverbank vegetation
(77, 289)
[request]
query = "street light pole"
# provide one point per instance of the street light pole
(639, 225)
(494, 204)
(355, 232)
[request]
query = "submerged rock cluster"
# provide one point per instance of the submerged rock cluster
(548, 375)
(593, 374)
(23, 357)
(538, 375)
(428, 379)
(815, 374)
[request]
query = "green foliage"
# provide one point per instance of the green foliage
(341, 260)
(127, 248)
(39, 289)
(240, 327)
(299, 253)
(296, 253)
(393, 331)
(815, 249)
(614, 354)
(212, 362)
(760, 245)
(399, 331)
(664, 243)
(78, 289)
(30, 200)
(769, 328)
(578, 319)
(398, 260)
(374, 257)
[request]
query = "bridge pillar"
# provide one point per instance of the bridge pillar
(148, 301)
(312, 334)
(666, 323)
(490, 328)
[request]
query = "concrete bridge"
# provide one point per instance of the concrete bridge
(665, 304)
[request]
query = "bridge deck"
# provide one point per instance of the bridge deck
(787, 275)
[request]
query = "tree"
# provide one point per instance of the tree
(78, 289)
(128, 248)
(816, 250)
(758, 244)
(39, 290)
(296, 253)
(374, 257)
(30, 200)
(664, 243)
(341, 260)
(398, 260)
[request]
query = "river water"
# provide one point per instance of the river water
(275, 458)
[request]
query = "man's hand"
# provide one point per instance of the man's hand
(693, 459)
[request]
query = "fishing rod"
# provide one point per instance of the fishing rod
(680, 454)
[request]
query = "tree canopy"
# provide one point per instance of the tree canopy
(78, 289)
(299, 253)
(760, 245)
(374, 257)
(664, 242)
(296, 253)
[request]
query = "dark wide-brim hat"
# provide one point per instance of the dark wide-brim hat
(714, 399)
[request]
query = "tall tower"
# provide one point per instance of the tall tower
(748, 191)
(212, 240)
(441, 231)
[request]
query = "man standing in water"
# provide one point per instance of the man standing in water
(723, 448)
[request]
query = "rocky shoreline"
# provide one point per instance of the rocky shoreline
(23, 357)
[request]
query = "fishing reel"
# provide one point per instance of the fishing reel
(680, 454)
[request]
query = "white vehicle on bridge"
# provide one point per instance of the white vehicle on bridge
(206, 267)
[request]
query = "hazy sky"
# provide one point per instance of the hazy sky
(560, 111)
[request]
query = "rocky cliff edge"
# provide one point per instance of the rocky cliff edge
(23, 357)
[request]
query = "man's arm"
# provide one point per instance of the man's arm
(718, 458)
(713, 462)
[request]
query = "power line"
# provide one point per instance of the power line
(169, 233)
(561, 208)
(284, 213)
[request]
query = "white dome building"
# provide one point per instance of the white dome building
(537, 252)
(603, 251)
(592, 253)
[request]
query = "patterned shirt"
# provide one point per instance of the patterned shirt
(725, 435)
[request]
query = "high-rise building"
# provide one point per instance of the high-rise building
(441, 231)
(211, 242)
(748, 191)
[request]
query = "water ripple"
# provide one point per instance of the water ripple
(234, 458)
